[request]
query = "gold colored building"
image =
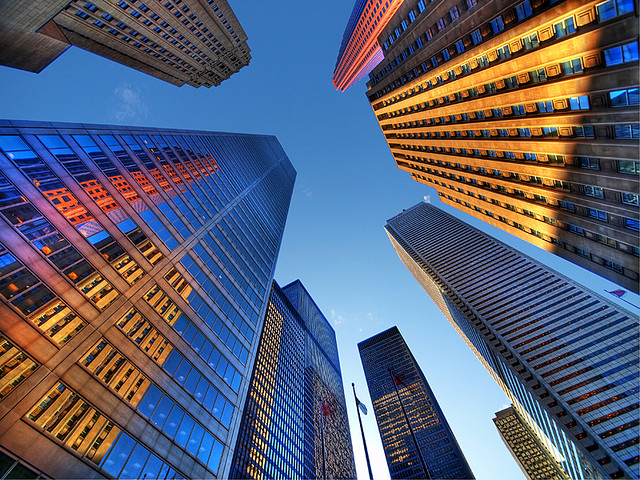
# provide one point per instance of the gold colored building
(198, 42)
(533, 458)
(523, 114)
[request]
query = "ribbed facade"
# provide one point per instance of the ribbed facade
(535, 461)
(407, 412)
(135, 266)
(360, 51)
(523, 114)
(566, 357)
(197, 42)
(286, 431)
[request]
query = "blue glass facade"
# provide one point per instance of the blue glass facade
(135, 264)
(566, 357)
(407, 412)
(295, 422)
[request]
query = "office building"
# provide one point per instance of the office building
(197, 42)
(360, 51)
(135, 268)
(295, 418)
(566, 357)
(533, 458)
(407, 412)
(523, 114)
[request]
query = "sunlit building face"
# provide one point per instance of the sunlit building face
(522, 113)
(135, 266)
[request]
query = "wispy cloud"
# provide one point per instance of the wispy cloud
(128, 104)
(307, 193)
(336, 318)
(427, 198)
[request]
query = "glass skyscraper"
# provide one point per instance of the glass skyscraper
(566, 357)
(135, 268)
(407, 412)
(295, 418)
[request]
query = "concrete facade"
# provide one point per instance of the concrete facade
(523, 114)
(192, 41)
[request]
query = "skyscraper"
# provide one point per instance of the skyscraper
(360, 51)
(533, 458)
(522, 113)
(197, 42)
(295, 418)
(566, 357)
(135, 266)
(408, 413)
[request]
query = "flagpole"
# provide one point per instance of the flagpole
(364, 442)
(324, 465)
(415, 442)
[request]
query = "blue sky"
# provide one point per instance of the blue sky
(346, 189)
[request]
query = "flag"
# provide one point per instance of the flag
(325, 408)
(618, 293)
(361, 406)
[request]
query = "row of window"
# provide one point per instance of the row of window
(148, 339)
(79, 426)
(629, 223)
(614, 98)
(174, 317)
(23, 290)
(560, 29)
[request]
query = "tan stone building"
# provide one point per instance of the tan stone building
(198, 42)
(523, 114)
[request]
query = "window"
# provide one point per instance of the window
(583, 253)
(621, 54)
(613, 8)
(571, 66)
(471, 4)
(612, 265)
(503, 52)
(579, 103)
(412, 16)
(497, 25)
(523, 10)
(630, 198)
(584, 131)
(483, 61)
(530, 41)
(575, 229)
(593, 191)
(421, 6)
(626, 131)
(588, 162)
(538, 75)
(545, 107)
(623, 98)
(460, 46)
(597, 214)
(629, 166)
(564, 27)
(631, 223)
(476, 37)
(445, 54)
(567, 206)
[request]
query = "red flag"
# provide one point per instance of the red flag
(618, 293)
(325, 408)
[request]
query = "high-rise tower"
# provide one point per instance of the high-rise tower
(135, 268)
(416, 436)
(197, 42)
(295, 418)
(523, 113)
(566, 357)
(533, 458)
